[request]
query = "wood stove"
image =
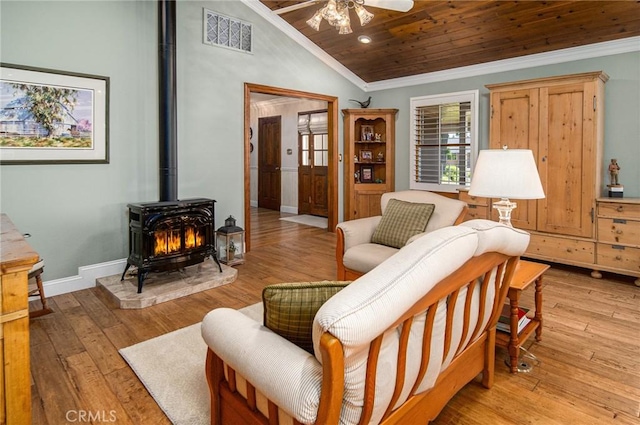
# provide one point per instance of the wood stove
(170, 235)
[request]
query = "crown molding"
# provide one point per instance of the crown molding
(294, 34)
(607, 48)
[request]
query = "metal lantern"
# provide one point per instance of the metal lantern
(230, 242)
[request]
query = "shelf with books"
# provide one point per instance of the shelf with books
(504, 322)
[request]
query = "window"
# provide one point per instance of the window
(444, 140)
(314, 139)
(228, 32)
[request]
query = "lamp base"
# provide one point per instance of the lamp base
(504, 207)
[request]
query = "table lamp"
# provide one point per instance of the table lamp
(506, 173)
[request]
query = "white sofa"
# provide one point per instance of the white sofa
(357, 255)
(392, 347)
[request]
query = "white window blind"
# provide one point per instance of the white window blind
(443, 140)
(314, 138)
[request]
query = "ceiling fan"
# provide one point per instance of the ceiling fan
(397, 5)
(336, 12)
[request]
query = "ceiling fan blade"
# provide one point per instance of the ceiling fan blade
(399, 5)
(296, 7)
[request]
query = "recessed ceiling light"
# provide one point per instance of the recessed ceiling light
(364, 39)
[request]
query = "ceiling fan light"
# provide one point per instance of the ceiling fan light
(345, 28)
(315, 20)
(344, 22)
(364, 15)
(330, 12)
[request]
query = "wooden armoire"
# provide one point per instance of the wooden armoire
(561, 120)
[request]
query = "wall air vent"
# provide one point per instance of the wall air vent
(224, 31)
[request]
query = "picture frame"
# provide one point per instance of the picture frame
(68, 126)
(367, 133)
(366, 156)
(366, 174)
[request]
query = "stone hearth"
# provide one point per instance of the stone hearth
(166, 286)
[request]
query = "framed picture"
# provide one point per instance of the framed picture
(367, 133)
(366, 156)
(366, 174)
(53, 117)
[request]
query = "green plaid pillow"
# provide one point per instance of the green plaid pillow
(289, 308)
(400, 221)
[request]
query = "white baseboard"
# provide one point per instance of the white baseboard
(290, 210)
(86, 278)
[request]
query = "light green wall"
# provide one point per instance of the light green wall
(622, 110)
(77, 213)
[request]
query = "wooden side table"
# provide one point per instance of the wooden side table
(527, 272)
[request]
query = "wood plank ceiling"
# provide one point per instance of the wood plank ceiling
(440, 35)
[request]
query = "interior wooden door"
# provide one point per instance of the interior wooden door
(269, 140)
(514, 123)
(313, 175)
(567, 157)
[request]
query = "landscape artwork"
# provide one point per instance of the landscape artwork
(52, 116)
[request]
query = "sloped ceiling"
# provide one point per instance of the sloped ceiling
(441, 35)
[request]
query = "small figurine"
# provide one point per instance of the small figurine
(378, 137)
(380, 156)
(614, 169)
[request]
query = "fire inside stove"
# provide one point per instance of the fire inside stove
(169, 241)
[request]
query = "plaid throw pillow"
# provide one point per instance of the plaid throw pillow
(400, 221)
(289, 308)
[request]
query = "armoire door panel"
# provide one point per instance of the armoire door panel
(514, 123)
(566, 151)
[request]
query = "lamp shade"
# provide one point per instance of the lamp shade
(506, 173)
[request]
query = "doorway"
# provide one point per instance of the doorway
(313, 161)
(332, 149)
(269, 179)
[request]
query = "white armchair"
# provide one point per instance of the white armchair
(355, 252)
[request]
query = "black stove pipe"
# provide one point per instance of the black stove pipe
(168, 116)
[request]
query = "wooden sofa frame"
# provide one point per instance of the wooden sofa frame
(478, 356)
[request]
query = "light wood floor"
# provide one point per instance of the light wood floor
(590, 352)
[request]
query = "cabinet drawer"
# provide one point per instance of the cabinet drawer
(472, 200)
(619, 257)
(556, 248)
(619, 231)
(619, 209)
(477, 211)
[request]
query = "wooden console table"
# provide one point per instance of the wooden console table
(16, 259)
(527, 272)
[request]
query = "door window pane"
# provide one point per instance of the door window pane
(304, 153)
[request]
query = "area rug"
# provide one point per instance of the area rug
(309, 220)
(171, 367)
